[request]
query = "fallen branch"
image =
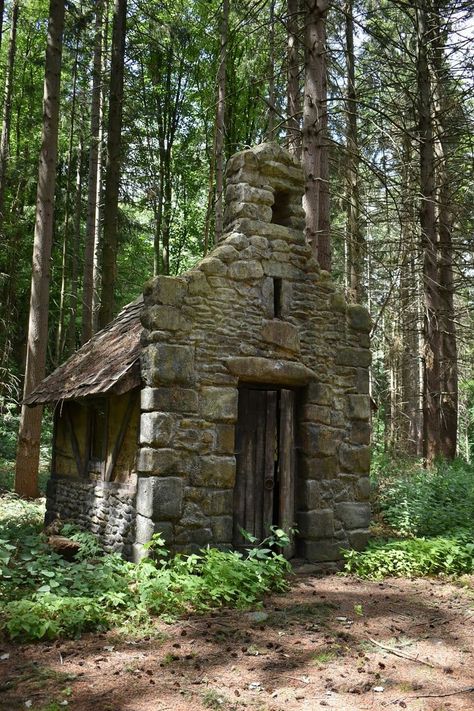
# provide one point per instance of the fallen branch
(397, 653)
(467, 690)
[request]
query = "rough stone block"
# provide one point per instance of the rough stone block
(175, 399)
(318, 413)
(357, 357)
(318, 439)
(165, 364)
(359, 407)
(219, 503)
(242, 192)
(219, 404)
(319, 468)
(193, 516)
(360, 432)
(315, 524)
(226, 253)
(252, 211)
(197, 284)
(245, 270)
(156, 428)
(157, 461)
(359, 318)
(282, 334)
(363, 489)
(355, 459)
(259, 243)
(309, 495)
(222, 527)
(145, 528)
(197, 536)
(358, 539)
(213, 266)
(163, 318)
(321, 551)
(165, 290)
(318, 394)
(362, 380)
(353, 515)
(160, 499)
(216, 472)
(237, 240)
(225, 439)
(281, 270)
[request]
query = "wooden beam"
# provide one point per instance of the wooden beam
(121, 436)
(75, 444)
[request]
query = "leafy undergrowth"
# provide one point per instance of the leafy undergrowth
(432, 512)
(45, 596)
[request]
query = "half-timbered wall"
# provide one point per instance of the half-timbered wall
(94, 467)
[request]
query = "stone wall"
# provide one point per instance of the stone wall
(216, 327)
(107, 509)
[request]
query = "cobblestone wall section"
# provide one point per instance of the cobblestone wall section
(106, 509)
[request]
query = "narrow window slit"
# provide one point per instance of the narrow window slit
(281, 208)
(277, 286)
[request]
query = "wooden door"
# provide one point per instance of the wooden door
(264, 489)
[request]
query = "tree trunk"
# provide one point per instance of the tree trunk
(112, 176)
(7, 105)
(315, 149)
(66, 245)
(354, 236)
(92, 192)
(271, 74)
(75, 245)
(432, 341)
(2, 10)
(293, 131)
(444, 202)
(220, 128)
(26, 476)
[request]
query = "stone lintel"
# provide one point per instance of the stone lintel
(263, 370)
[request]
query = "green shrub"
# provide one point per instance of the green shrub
(45, 596)
(414, 557)
(421, 502)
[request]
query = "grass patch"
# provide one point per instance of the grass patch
(327, 655)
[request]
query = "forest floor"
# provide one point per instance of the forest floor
(334, 642)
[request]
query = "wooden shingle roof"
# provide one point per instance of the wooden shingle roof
(109, 362)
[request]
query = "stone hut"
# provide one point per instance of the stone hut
(234, 396)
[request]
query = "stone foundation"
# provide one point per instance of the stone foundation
(106, 509)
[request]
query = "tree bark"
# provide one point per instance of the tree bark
(293, 131)
(220, 127)
(26, 475)
(314, 135)
(432, 340)
(271, 74)
(354, 236)
(7, 105)
(92, 192)
(75, 245)
(66, 244)
(445, 222)
(112, 176)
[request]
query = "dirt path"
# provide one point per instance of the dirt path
(307, 649)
